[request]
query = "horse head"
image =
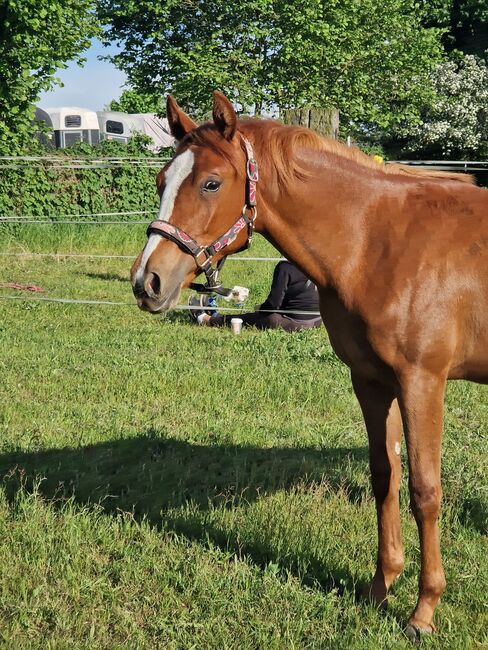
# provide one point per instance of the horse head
(206, 206)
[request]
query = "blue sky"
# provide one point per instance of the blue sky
(92, 86)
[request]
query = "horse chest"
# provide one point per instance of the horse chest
(348, 337)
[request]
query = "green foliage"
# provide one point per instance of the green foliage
(36, 38)
(192, 47)
(453, 116)
(42, 188)
(369, 58)
(372, 148)
(131, 101)
(465, 21)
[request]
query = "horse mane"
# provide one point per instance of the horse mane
(282, 143)
(276, 146)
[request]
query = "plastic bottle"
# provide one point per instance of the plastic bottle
(212, 303)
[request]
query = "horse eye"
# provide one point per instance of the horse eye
(212, 186)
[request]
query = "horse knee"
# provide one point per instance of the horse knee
(425, 501)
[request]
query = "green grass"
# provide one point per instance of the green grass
(179, 487)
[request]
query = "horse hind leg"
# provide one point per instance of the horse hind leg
(384, 425)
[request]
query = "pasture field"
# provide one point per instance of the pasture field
(170, 486)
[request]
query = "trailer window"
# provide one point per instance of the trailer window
(114, 127)
(72, 120)
(72, 136)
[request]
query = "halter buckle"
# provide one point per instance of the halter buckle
(252, 170)
(208, 259)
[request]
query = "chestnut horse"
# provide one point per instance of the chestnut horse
(400, 257)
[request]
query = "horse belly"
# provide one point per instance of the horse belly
(474, 367)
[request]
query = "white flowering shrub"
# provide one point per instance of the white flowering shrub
(456, 123)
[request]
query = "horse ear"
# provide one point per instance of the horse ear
(179, 122)
(224, 115)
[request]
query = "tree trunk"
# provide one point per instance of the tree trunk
(322, 120)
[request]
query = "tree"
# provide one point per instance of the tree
(369, 58)
(453, 119)
(191, 47)
(456, 124)
(132, 101)
(465, 23)
(36, 38)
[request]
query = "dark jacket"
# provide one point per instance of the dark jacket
(292, 290)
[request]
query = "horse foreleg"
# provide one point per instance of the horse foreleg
(422, 406)
(384, 426)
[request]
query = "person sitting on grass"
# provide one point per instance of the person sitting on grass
(292, 295)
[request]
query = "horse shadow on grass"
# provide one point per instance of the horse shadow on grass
(174, 485)
(109, 277)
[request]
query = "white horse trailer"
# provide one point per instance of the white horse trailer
(73, 124)
(121, 127)
(45, 136)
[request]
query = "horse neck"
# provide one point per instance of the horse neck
(318, 223)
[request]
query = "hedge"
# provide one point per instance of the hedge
(44, 188)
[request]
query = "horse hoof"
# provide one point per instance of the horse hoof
(414, 633)
(373, 597)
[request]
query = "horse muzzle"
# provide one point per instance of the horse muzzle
(154, 296)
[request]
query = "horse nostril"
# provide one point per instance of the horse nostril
(152, 285)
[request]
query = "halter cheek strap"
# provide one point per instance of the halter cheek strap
(203, 255)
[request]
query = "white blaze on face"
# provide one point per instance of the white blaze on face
(179, 169)
(174, 176)
(152, 242)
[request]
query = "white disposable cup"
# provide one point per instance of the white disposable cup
(236, 325)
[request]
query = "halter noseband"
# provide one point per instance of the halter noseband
(203, 255)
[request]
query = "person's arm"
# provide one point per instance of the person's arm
(279, 286)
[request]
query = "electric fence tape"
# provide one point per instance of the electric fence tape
(73, 301)
(130, 257)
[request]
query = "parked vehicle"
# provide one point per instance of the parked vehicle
(73, 124)
(45, 136)
(119, 126)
